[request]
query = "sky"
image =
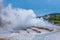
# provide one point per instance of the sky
(40, 7)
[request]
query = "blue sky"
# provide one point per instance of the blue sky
(40, 7)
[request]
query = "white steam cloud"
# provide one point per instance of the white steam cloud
(14, 19)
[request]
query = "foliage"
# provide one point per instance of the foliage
(54, 18)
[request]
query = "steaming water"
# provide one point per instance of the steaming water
(14, 19)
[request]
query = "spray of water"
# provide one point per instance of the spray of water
(13, 19)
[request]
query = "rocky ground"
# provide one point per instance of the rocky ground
(32, 33)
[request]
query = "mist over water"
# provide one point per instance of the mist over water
(17, 18)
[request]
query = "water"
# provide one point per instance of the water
(13, 19)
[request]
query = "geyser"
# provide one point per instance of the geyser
(15, 19)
